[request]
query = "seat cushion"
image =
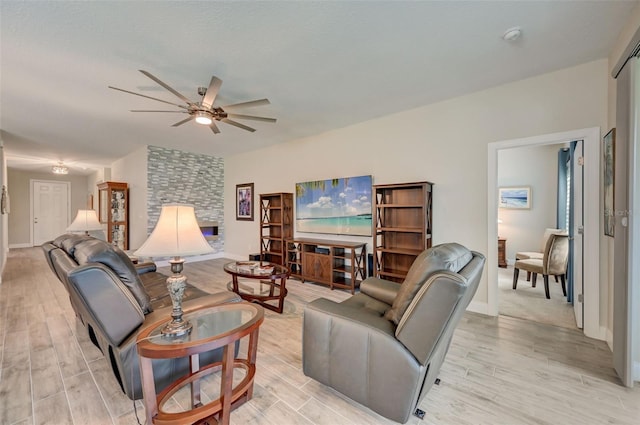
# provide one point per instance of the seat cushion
(450, 256)
(97, 251)
(525, 255)
(533, 265)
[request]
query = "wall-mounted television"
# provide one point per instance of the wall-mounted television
(335, 206)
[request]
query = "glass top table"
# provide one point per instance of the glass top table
(214, 327)
(259, 282)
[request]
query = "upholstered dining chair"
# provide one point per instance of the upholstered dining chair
(553, 262)
(526, 255)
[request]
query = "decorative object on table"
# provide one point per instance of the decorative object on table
(609, 150)
(514, 197)
(244, 201)
(335, 206)
(176, 235)
(203, 112)
(85, 221)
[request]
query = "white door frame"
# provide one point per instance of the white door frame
(31, 192)
(591, 196)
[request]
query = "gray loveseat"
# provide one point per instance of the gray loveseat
(116, 299)
(384, 346)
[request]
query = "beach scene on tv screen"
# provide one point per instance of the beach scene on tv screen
(335, 206)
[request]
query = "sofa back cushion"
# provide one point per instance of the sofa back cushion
(451, 257)
(71, 241)
(96, 251)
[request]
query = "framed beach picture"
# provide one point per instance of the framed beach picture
(339, 206)
(514, 197)
(244, 201)
(609, 152)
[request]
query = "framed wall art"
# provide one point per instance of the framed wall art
(609, 152)
(244, 201)
(514, 197)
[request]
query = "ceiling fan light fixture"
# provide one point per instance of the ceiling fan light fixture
(60, 169)
(203, 118)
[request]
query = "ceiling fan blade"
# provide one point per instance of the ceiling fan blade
(148, 74)
(183, 121)
(237, 124)
(150, 110)
(249, 103)
(148, 97)
(212, 92)
(214, 127)
(251, 117)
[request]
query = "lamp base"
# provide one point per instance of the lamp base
(174, 328)
(176, 284)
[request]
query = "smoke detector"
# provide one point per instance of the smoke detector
(512, 34)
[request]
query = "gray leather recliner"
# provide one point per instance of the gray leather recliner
(384, 346)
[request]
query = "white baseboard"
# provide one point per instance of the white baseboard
(20, 245)
(478, 307)
(636, 371)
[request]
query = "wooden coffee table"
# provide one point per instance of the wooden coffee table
(213, 327)
(262, 282)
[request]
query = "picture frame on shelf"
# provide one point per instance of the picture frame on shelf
(244, 201)
(609, 152)
(518, 198)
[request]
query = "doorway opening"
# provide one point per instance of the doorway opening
(590, 307)
(50, 210)
(547, 173)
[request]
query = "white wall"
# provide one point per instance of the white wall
(535, 167)
(132, 169)
(445, 143)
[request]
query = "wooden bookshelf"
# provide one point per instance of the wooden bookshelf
(276, 226)
(402, 227)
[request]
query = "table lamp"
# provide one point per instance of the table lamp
(85, 221)
(176, 235)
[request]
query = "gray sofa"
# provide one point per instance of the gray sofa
(384, 346)
(116, 299)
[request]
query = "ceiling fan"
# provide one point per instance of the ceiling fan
(203, 112)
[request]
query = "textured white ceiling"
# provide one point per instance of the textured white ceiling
(323, 65)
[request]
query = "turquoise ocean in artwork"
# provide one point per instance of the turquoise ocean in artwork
(354, 225)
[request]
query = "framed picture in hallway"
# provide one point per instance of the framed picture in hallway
(609, 174)
(514, 197)
(244, 201)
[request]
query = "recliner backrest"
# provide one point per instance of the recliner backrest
(450, 256)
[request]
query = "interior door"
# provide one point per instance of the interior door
(577, 230)
(50, 203)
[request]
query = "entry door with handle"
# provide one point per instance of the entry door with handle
(50, 203)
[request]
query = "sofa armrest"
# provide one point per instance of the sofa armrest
(146, 267)
(107, 303)
(380, 289)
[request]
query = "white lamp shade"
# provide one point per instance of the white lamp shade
(176, 234)
(85, 220)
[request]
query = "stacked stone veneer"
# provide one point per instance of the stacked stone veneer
(175, 176)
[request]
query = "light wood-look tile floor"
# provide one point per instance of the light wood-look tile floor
(498, 371)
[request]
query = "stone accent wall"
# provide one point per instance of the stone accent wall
(176, 176)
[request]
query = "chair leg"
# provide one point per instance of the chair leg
(564, 286)
(516, 272)
(533, 280)
(556, 277)
(528, 276)
(546, 286)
